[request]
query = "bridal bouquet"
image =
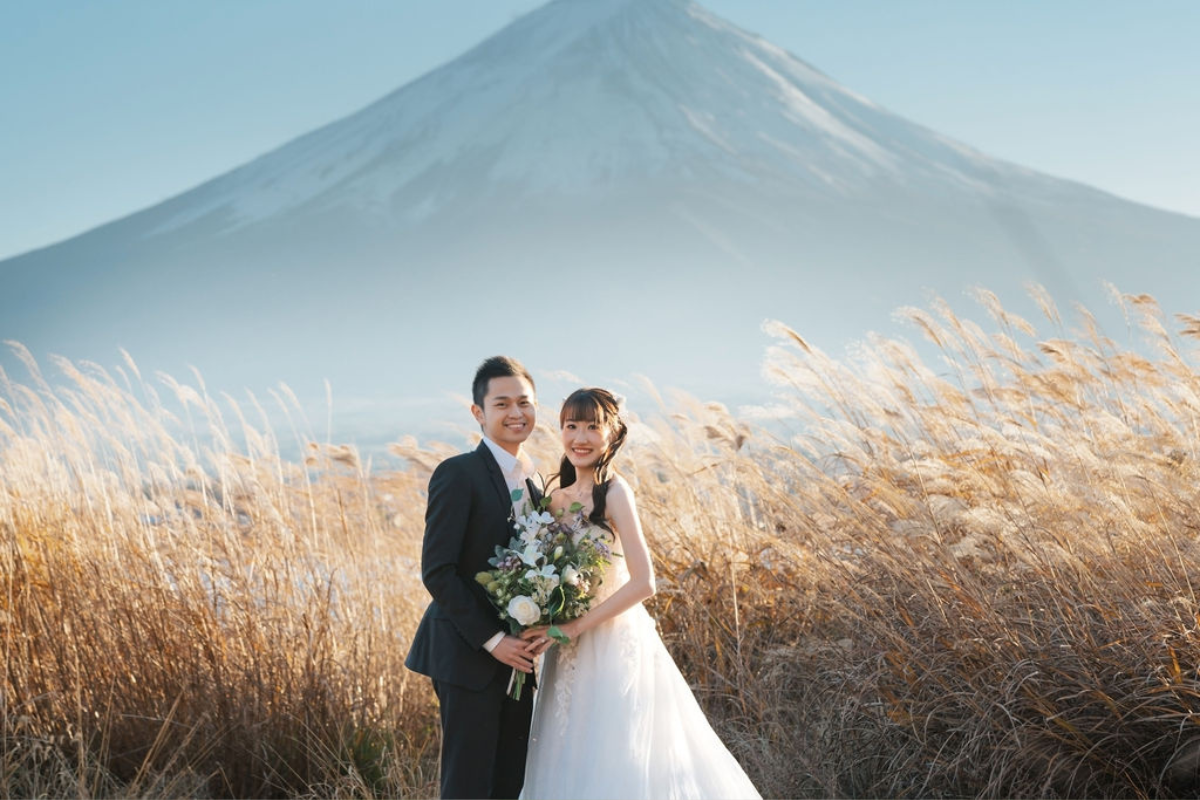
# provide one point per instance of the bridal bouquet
(547, 572)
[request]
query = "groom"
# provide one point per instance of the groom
(460, 643)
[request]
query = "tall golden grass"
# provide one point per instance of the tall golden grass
(181, 617)
(967, 575)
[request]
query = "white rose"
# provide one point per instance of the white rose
(524, 610)
(570, 576)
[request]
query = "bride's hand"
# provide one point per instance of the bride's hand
(539, 640)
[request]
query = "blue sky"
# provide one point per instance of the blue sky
(109, 107)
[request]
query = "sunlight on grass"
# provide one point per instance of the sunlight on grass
(970, 574)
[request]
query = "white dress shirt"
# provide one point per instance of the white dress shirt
(515, 470)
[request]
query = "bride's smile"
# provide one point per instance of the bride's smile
(584, 442)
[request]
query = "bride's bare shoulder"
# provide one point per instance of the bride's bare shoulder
(619, 490)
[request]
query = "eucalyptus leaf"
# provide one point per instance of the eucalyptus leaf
(517, 494)
(576, 508)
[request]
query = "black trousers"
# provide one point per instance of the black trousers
(484, 738)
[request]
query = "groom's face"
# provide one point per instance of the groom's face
(508, 412)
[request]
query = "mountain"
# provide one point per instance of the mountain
(608, 187)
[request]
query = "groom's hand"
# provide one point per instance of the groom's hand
(513, 652)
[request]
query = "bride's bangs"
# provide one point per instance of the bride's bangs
(582, 407)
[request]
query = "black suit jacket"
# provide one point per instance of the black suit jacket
(467, 515)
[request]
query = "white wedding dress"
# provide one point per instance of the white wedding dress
(614, 718)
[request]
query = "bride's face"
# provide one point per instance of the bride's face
(584, 442)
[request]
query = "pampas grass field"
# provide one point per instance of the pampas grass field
(969, 573)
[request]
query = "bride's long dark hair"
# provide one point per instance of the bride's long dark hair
(599, 406)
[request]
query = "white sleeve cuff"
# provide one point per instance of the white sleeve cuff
(491, 643)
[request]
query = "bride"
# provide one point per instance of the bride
(614, 717)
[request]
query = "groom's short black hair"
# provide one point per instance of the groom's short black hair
(497, 367)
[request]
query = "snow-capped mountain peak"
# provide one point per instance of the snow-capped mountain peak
(586, 96)
(639, 171)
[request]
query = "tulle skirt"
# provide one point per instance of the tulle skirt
(614, 718)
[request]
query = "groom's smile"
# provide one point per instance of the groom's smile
(508, 412)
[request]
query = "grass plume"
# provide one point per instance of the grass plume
(970, 574)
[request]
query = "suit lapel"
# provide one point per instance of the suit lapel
(496, 476)
(535, 494)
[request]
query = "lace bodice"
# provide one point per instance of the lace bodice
(563, 661)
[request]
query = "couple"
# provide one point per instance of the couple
(613, 717)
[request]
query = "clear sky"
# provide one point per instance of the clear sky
(109, 107)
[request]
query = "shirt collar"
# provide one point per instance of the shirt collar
(516, 466)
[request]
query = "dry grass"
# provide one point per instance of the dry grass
(967, 579)
(186, 618)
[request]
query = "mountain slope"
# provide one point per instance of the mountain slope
(588, 95)
(605, 186)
